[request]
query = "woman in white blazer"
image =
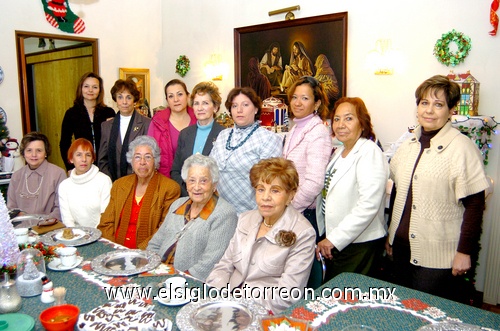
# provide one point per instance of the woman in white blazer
(351, 209)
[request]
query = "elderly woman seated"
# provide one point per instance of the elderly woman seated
(273, 247)
(140, 201)
(197, 228)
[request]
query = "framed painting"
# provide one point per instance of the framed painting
(141, 79)
(284, 51)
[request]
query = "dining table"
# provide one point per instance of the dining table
(85, 287)
(355, 299)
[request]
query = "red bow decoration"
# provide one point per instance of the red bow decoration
(494, 17)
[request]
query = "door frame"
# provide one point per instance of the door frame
(21, 66)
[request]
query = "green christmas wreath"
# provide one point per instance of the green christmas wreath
(182, 66)
(442, 48)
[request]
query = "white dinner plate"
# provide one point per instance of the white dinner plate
(78, 234)
(56, 264)
(90, 235)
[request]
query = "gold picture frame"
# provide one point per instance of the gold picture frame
(141, 79)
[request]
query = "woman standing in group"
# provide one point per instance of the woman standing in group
(119, 132)
(308, 144)
(353, 199)
(440, 182)
(166, 124)
(237, 149)
(84, 119)
(139, 202)
(198, 138)
(85, 183)
(33, 189)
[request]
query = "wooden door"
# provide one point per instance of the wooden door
(55, 81)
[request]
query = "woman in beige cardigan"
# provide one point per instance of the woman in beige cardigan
(140, 201)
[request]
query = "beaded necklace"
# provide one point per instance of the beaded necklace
(27, 188)
(228, 142)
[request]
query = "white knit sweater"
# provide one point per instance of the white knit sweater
(449, 170)
(82, 198)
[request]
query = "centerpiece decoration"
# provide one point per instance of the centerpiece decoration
(182, 65)
(442, 48)
(30, 270)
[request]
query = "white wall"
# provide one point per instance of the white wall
(152, 34)
(413, 27)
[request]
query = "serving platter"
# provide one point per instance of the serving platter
(27, 221)
(450, 326)
(55, 237)
(220, 314)
(125, 262)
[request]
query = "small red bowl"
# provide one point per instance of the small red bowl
(60, 318)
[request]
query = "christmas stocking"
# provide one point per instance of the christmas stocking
(59, 15)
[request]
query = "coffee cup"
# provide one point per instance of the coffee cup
(67, 255)
(21, 235)
(176, 288)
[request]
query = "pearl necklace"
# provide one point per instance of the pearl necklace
(27, 188)
(267, 225)
(228, 142)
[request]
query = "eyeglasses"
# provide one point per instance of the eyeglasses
(148, 158)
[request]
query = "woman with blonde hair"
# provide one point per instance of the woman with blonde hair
(199, 138)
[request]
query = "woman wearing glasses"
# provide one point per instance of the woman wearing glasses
(140, 201)
(197, 228)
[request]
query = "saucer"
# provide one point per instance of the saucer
(56, 264)
(173, 303)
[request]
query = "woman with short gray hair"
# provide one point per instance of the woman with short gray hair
(140, 201)
(198, 228)
(144, 141)
(203, 161)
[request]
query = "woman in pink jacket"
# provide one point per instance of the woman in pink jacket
(166, 125)
(309, 143)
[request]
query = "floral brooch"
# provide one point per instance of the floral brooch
(285, 238)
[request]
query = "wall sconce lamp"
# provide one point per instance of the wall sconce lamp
(383, 58)
(215, 69)
(289, 15)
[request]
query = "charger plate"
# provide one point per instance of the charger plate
(451, 326)
(90, 235)
(220, 314)
(125, 262)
